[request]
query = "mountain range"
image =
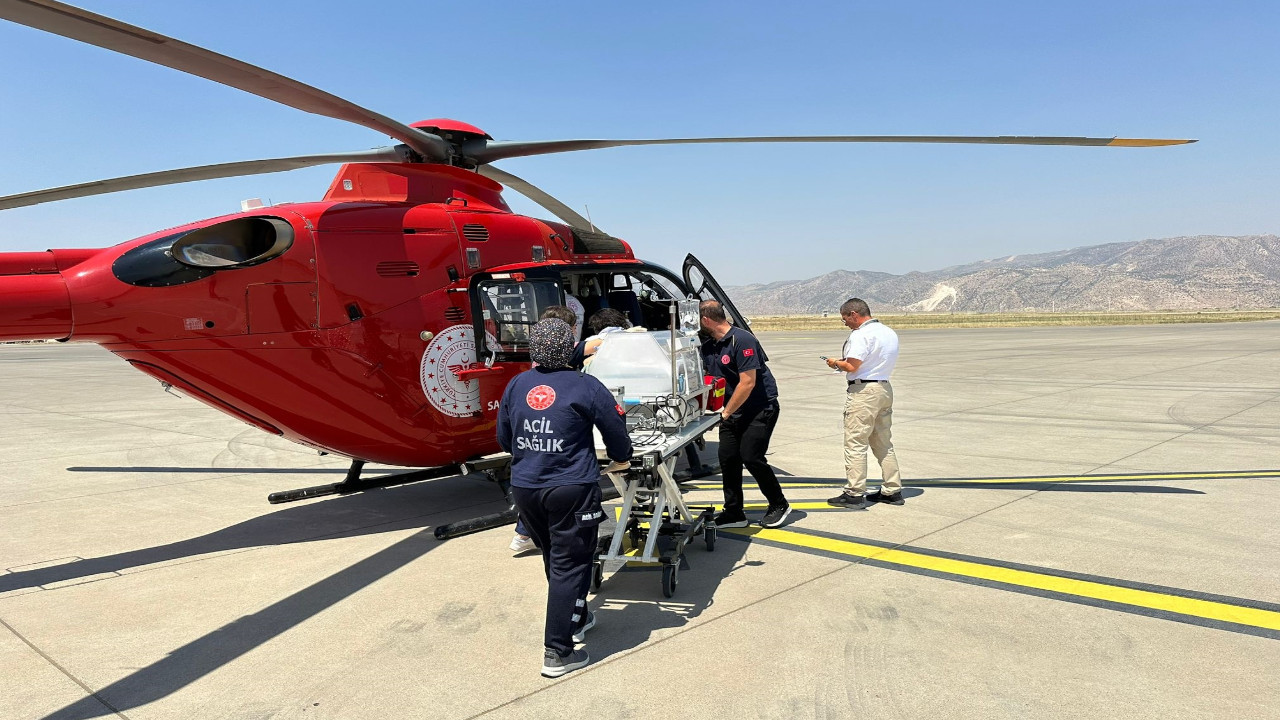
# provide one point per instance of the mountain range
(1181, 273)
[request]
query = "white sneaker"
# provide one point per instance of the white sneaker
(521, 544)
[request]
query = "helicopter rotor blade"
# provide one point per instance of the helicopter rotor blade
(111, 34)
(501, 150)
(550, 204)
(395, 154)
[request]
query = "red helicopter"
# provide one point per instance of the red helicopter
(350, 324)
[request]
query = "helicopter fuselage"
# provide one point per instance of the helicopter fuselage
(348, 325)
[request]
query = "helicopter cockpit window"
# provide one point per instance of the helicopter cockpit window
(509, 309)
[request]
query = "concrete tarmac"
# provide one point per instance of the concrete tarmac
(1090, 530)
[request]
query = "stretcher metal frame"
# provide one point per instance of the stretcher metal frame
(653, 506)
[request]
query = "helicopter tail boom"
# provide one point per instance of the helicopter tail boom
(34, 301)
(34, 307)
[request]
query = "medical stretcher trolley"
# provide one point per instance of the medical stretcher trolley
(662, 421)
(653, 507)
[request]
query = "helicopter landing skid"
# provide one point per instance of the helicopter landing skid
(353, 483)
(496, 468)
(498, 519)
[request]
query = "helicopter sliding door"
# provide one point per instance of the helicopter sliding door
(704, 287)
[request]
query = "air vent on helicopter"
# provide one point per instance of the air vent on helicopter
(398, 268)
(586, 242)
(455, 314)
(475, 233)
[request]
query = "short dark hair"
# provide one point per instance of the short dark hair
(607, 317)
(713, 311)
(560, 312)
(855, 306)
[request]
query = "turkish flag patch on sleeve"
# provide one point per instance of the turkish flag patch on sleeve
(748, 352)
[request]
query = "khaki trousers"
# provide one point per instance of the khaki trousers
(868, 416)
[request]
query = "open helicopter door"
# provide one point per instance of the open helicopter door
(704, 287)
(504, 307)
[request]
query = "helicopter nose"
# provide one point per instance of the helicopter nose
(34, 302)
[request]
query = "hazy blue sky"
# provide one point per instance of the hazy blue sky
(545, 70)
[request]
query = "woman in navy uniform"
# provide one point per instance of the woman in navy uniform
(544, 421)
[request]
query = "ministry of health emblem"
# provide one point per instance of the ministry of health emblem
(452, 349)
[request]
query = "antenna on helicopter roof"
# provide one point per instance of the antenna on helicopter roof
(589, 221)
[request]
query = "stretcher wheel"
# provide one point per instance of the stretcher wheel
(597, 576)
(709, 536)
(669, 581)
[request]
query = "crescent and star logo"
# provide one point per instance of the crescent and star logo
(541, 397)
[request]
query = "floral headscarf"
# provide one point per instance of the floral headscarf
(551, 343)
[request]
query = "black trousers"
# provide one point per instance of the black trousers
(563, 521)
(744, 441)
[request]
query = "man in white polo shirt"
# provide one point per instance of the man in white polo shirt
(868, 359)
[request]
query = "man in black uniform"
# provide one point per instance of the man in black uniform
(544, 421)
(749, 415)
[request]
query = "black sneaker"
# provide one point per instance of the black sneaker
(731, 519)
(879, 495)
(849, 500)
(554, 665)
(581, 635)
(776, 515)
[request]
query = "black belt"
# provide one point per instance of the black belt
(860, 380)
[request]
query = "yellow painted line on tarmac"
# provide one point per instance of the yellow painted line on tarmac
(1136, 598)
(1204, 610)
(1138, 477)
(1106, 478)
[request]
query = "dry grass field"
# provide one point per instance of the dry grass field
(1025, 319)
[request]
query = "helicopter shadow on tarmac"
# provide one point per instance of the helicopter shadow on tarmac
(374, 511)
(414, 506)
(630, 605)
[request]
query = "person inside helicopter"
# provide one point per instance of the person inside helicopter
(643, 298)
(602, 323)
